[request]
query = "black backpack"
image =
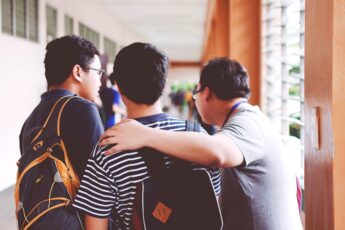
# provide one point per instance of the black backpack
(176, 197)
(46, 182)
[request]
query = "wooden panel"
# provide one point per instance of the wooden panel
(245, 40)
(318, 92)
(217, 30)
(339, 113)
(222, 28)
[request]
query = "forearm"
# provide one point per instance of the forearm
(195, 147)
(92, 223)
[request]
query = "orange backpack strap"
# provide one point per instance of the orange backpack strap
(69, 176)
(50, 115)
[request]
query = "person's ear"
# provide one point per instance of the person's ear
(76, 73)
(207, 93)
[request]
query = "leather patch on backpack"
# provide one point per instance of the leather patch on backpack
(162, 212)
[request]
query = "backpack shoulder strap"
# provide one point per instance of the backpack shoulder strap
(154, 161)
(52, 122)
(190, 127)
(193, 126)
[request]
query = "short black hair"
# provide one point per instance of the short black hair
(227, 78)
(65, 52)
(140, 70)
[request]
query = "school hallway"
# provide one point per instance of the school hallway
(293, 56)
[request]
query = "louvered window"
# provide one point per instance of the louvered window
(283, 72)
(7, 16)
(51, 23)
(20, 18)
(33, 19)
(110, 49)
(89, 34)
(68, 25)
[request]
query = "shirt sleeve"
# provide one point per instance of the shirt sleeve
(215, 177)
(97, 193)
(81, 132)
(248, 137)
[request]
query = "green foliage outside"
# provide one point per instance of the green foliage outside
(295, 129)
(294, 90)
(295, 69)
(182, 86)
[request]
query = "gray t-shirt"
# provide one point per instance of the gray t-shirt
(260, 194)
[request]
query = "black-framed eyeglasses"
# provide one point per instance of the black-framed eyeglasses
(100, 72)
(195, 92)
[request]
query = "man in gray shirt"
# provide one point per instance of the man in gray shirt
(258, 186)
(261, 192)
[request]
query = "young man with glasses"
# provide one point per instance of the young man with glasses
(258, 186)
(72, 68)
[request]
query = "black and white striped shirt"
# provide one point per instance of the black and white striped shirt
(111, 181)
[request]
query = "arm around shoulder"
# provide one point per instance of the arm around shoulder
(214, 151)
(218, 150)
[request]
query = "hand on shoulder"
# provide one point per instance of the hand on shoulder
(128, 134)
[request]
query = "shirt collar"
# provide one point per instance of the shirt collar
(57, 93)
(151, 118)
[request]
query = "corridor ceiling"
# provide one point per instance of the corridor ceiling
(175, 26)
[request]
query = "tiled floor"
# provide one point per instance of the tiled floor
(7, 210)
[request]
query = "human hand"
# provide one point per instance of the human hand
(127, 135)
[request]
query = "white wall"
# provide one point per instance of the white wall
(22, 71)
(22, 80)
(92, 14)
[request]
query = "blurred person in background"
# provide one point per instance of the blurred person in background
(111, 101)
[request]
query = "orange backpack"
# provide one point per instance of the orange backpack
(46, 182)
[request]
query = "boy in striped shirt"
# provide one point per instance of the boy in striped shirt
(109, 182)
